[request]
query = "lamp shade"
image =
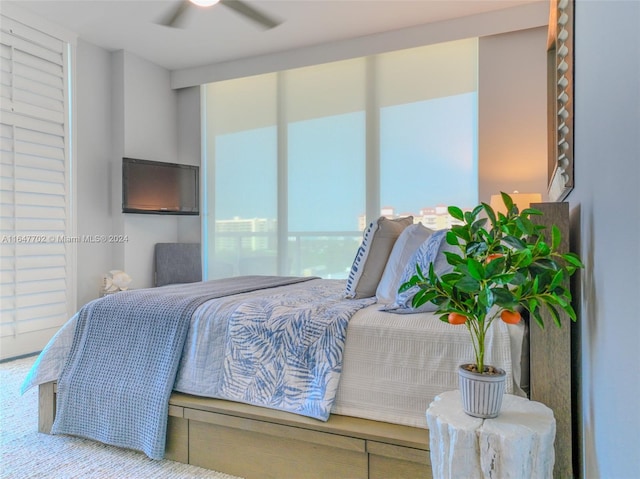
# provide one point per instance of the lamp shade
(521, 200)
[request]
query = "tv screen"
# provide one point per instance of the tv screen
(160, 188)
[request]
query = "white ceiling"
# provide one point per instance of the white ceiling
(220, 34)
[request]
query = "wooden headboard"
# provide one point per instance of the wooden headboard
(550, 356)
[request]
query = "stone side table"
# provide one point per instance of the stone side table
(517, 444)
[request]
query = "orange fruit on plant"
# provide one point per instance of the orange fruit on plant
(493, 256)
(455, 318)
(510, 317)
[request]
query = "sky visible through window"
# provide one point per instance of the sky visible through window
(428, 158)
(428, 155)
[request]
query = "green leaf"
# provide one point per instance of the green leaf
(557, 280)
(486, 298)
(469, 217)
(503, 297)
(514, 242)
(495, 266)
(452, 238)
(461, 232)
(422, 297)
(456, 213)
(570, 312)
(554, 315)
(467, 284)
(490, 213)
(508, 202)
(547, 263)
(538, 317)
(475, 269)
(531, 211)
(523, 258)
(506, 278)
(453, 258)
(450, 277)
(519, 278)
(476, 248)
(524, 225)
(405, 286)
(478, 225)
(476, 211)
(556, 237)
(542, 249)
(573, 259)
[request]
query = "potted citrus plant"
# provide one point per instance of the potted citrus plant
(504, 268)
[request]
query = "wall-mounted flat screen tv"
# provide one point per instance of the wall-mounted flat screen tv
(156, 187)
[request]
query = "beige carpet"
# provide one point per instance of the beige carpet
(25, 453)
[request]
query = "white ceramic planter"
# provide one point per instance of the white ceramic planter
(481, 393)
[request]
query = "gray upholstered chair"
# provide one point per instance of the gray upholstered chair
(177, 263)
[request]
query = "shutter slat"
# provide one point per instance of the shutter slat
(39, 275)
(35, 156)
(40, 200)
(19, 30)
(31, 123)
(42, 299)
(36, 112)
(39, 180)
(41, 286)
(34, 185)
(42, 317)
(50, 225)
(55, 69)
(32, 48)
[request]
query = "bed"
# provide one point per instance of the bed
(364, 417)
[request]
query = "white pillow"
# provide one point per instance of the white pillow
(372, 256)
(406, 244)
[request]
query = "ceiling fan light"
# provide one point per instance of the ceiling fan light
(204, 3)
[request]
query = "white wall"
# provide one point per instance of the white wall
(125, 107)
(606, 227)
(94, 149)
(512, 109)
(150, 132)
(189, 147)
(528, 15)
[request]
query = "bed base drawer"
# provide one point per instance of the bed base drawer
(261, 443)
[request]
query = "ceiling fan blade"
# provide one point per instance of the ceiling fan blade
(250, 12)
(172, 18)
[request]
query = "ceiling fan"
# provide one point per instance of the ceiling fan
(173, 17)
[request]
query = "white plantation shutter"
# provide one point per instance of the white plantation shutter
(36, 247)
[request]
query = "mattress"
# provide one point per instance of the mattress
(395, 364)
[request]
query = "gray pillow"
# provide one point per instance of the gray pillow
(406, 245)
(431, 251)
(372, 256)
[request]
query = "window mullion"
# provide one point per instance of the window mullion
(372, 139)
(283, 176)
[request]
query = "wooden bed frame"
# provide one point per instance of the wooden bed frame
(261, 443)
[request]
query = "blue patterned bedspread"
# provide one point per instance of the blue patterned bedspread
(284, 350)
(119, 373)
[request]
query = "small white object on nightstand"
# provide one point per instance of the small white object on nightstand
(516, 444)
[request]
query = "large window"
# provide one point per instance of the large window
(299, 161)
